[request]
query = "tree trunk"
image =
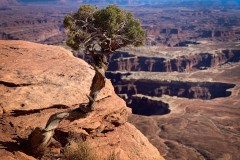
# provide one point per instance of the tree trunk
(39, 139)
(99, 79)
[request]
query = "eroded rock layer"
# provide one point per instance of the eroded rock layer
(157, 88)
(185, 63)
(37, 81)
(195, 128)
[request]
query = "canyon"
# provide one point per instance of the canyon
(179, 59)
(184, 99)
(32, 23)
(187, 89)
(191, 127)
(128, 70)
(165, 23)
(182, 86)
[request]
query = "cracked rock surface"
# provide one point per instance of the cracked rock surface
(42, 75)
(37, 81)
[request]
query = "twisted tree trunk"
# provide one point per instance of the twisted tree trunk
(39, 139)
(99, 80)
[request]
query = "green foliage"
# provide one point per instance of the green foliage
(91, 26)
(109, 19)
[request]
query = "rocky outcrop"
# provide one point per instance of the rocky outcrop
(129, 62)
(37, 81)
(40, 76)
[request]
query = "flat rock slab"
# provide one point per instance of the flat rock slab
(37, 81)
(35, 76)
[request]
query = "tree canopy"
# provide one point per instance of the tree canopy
(103, 30)
(100, 32)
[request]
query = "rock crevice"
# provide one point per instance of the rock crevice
(9, 84)
(25, 106)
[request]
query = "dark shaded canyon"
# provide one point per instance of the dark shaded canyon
(146, 106)
(199, 90)
(130, 90)
(124, 61)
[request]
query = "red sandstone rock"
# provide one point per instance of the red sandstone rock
(41, 76)
(125, 141)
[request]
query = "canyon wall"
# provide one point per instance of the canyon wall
(192, 128)
(130, 90)
(199, 90)
(129, 62)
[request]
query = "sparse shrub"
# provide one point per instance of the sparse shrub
(82, 151)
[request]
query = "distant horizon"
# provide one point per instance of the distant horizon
(121, 1)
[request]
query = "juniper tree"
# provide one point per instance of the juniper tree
(100, 32)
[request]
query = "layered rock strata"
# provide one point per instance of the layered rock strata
(195, 128)
(185, 63)
(38, 81)
(157, 88)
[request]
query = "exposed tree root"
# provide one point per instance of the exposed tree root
(39, 139)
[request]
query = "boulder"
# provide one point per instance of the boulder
(37, 81)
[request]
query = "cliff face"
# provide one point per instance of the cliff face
(37, 81)
(138, 91)
(129, 62)
(182, 37)
(192, 122)
(157, 88)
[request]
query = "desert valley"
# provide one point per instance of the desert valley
(182, 86)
